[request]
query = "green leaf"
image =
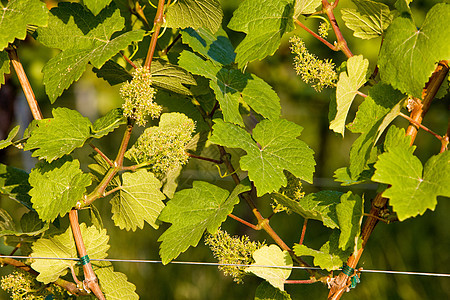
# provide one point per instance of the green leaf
(108, 123)
(369, 20)
(265, 23)
(305, 7)
(414, 188)
(349, 214)
(408, 55)
(347, 87)
(16, 15)
(114, 285)
(191, 212)
(232, 86)
(113, 73)
(271, 256)
(31, 226)
(60, 135)
(6, 223)
(56, 187)
(139, 200)
(195, 14)
(11, 135)
(272, 148)
(83, 38)
(329, 256)
(4, 66)
(14, 184)
(63, 246)
(343, 175)
(95, 6)
(216, 46)
(265, 291)
(171, 77)
(376, 112)
(396, 137)
(317, 206)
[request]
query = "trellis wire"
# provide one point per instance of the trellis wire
(198, 263)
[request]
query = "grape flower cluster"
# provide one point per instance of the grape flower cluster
(138, 95)
(163, 147)
(23, 286)
(319, 73)
(232, 250)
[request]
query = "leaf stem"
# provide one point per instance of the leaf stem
(421, 126)
(128, 60)
(302, 237)
(306, 281)
(106, 158)
(175, 40)
(379, 202)
(255, 227)
(341, 42)
(26, 87)
(89, 276)
(158, 22)
(218, 162)
(445, 140)
(328, 44)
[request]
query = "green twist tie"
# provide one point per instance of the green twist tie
(354, 281)
(347, 270)
(84, 260)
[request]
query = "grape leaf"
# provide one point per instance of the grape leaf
(11, 135)
(272, 148)
(31, 226)
(113, 73)
(14, 184)
(60, 135)
(343, 176)
(317, 206)
(56, 187)
(195, 14)
(347, 86)
(369, 20)
(171, 77)
(83, 38)
(396, 137)
(265, 23)
(265, 291)
(216, 46)
(329, 257)
(139, 200)
(63, 246)
(305, 7)
(16, 15)
(271, 256)
(414, 188)
(6, 223)
(408, 55)
(114, 284)
(349, 214)
(106, 124)
(376, 112)
(232, 86)
(191, 212)
(95, 6)
(4, 66)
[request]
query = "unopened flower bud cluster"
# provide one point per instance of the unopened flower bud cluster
(319, 73)
(163, 147)
(232, 250)
(138, 95)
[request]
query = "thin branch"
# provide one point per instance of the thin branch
(255, 227)
(306, 281)
(205, 158)
(69, 286)
(159, 21)
(341, 42)
(361, 94)
(421, 126)
(175, 40)
(90, 280)
(26, 87)
(128, 60)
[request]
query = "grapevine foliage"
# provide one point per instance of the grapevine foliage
(197, 84)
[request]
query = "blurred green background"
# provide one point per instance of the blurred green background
(417, 244)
